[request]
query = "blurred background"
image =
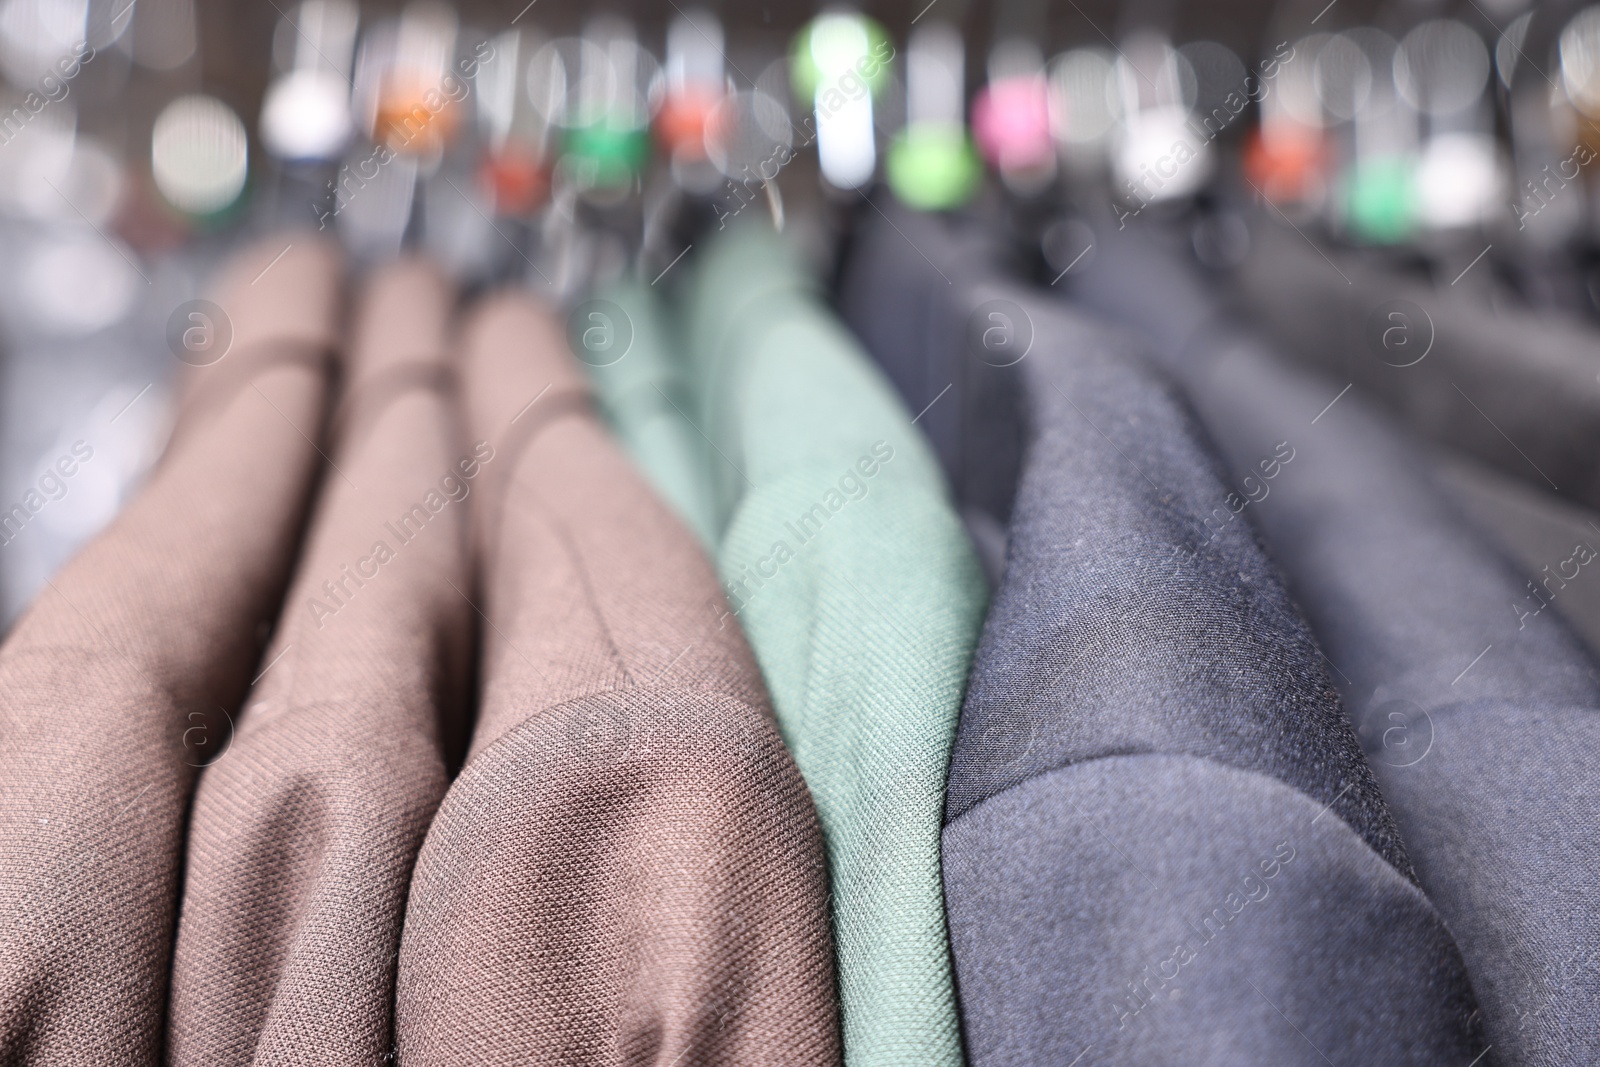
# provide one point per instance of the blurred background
(555, 142)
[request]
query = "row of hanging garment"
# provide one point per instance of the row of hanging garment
(1426, 699)
(612, 854)
(1075, 651)
(1253, 763)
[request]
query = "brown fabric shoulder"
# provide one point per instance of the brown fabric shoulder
(629, 869)
(304, 833)
(120, 681)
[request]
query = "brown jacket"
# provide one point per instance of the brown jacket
(305, 831)
(629, 869)
(120, 680)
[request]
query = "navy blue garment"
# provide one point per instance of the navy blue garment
(1163, 843)
(897, 292)
(1478, 706)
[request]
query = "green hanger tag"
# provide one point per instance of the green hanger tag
(602, 154)
(835, 47)
(1381, 200)
(934, 167)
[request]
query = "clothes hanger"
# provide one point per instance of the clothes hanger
(306, 121)
(932, 163)
(840, 64)
(832, 90)
(598, 94)
(517, 137)
(1553, 243)
(699, 115)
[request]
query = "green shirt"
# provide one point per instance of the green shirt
(861, 596)
(644, 396)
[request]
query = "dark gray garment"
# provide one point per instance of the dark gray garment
(1534, 527)
(1148, 725)
(1516, 388)
(953, 368)
(1163, 843)
(1478, 707)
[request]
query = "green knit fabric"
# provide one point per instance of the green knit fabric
(645, 398)
(861, 595)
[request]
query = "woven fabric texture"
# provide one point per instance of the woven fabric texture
(1478, 706)
(305, 830)
(850, 572)
(121, 679)
(1152, 744)
(1475, 702)
(645, 397)
(628, 869)
(1155, 801)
